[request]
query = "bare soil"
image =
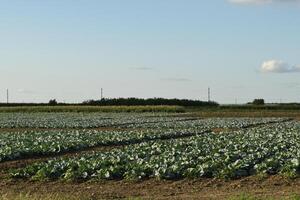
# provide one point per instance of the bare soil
(275, 186)
(232, 113)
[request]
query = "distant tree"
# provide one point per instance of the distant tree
(151, 101)
(52, 102)
(258, 102)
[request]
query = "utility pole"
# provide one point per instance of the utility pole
(209, 94)
(101, 93)
(7, 97)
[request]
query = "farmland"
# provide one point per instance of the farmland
(102, 149)
(78, 108)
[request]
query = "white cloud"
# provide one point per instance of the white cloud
(261, 2)
(278, 66)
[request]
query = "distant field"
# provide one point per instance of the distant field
(245, 111)
(197, 111)
(80, 108)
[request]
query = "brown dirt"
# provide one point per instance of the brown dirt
(274, 186)
(220, 130)
(232, 113)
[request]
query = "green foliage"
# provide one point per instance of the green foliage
(151, 101)
(294, 197)
(258, 102)
(120, 120)
(244, 196)
(52, 102)
(143, 127)
(271, 149)
(86, 108)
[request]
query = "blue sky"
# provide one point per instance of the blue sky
(69, 49)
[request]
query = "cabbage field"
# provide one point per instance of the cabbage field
(143, 146)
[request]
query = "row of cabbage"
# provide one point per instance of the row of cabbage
(224, 123)
(80, 120)
(272, 149)
(35, 143)
(15, 145)
(119, 120)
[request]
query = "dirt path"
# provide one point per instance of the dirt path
(273, 186)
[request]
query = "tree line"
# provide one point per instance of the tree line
(122, 102)
(150, 102)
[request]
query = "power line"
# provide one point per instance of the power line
(7, 96)
(209, 94)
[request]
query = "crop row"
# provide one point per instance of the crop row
(120, 120)
(36, 143)
(271, 149)
(224, 123)
(26, 108)
(79, 120)
(15, 145)
(30, 143)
